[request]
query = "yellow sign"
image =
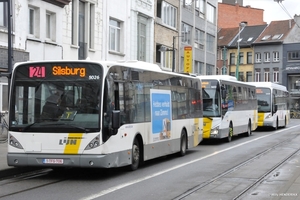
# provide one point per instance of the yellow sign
(188, 68)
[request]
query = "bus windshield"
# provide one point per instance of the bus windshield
(263, 99)
(211, 98)
(60, 97)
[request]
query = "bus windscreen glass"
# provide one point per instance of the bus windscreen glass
(56, 96)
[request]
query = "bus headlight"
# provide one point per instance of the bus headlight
(94, 143)
(214, 131)
(14, 142)
(269, 116)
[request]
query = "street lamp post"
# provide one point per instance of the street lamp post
(224, 61)
(242, 24)
(173, 49)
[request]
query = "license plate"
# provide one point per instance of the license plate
(53, 161)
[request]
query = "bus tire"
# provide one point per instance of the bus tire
(230, 133)
(276, 125)
(285, 122)
(183, 141)
(249, 131)
(135, 155)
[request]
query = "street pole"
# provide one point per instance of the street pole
(242, 24)
(9, 44)
(238, 59)
(173, 49)
(224, 61)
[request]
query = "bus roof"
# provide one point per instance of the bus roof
(269, 85)
(225, 78)
(132, 63)
(218, 77)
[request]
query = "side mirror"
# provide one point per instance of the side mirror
(223, 93)
(116, 121)
(275, 108)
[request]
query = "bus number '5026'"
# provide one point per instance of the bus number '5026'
(94, 77)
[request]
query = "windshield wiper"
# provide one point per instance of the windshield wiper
(85, 130)
(28, 126)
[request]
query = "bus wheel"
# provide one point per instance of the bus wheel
(276, 126)
(249, 132)
(183, 141)
(135, 155)
(285, 122)
(230, 133)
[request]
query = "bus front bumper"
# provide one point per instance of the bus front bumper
(60, 160)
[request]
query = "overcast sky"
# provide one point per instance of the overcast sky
(274, 11)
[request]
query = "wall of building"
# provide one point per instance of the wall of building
(144, 9)
(244, 67)
(231, 15)
(272, 65)
(70, 51)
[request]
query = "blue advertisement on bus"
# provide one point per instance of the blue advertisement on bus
(161, 112)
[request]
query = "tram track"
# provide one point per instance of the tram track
(19, 178)
(239, 167)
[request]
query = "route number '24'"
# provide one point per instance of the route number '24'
(37, 71)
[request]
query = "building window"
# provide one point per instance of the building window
(83, 26)
(224, 70)
(249, 76)
(3, 14)
(276, 75)
(241, 58)
(164, 58)
(210, 43)
(167, 13)
(257, 76)
(199, 39)
(232, 58)
(257, 57)
(211, 14)
(114, 35)
(188, 4)
(186, 33)
(92, 27)
(33, 22)
(275, 56)
(267, 56)
(209, 69)
(200, 8)
(141, 34)
(198, 69)
(241, 76)
(294, 56)
(266, 75)
(50, 26)
(249, 57)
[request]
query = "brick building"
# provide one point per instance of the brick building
(231, 15)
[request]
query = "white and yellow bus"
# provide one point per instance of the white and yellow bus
(273, 108)
(100, 114)
(229, 107)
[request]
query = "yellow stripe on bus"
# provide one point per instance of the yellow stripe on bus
(73, 143)
(261, 118)
(196, 132)
(207, 124)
